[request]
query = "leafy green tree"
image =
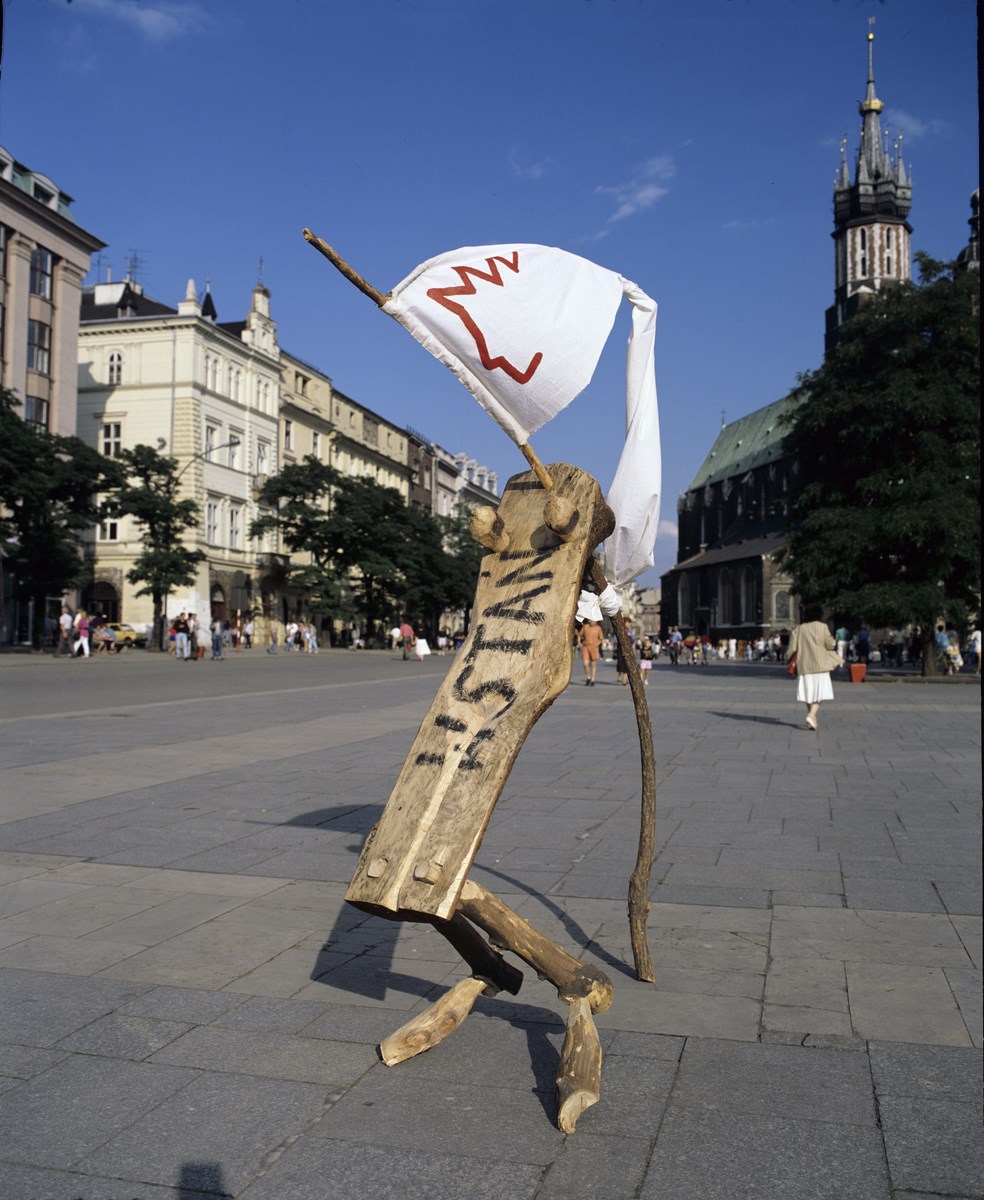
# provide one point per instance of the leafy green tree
(885, 518)
(394, 560)
(49, 496)
(300, 499)
(149, 494)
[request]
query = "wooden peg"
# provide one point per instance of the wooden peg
(488, 529)
(561, 515)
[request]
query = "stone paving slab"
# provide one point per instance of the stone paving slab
(188, 1007)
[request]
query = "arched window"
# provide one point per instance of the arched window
(747, 595)
(724, 596)
(115, 368)
(684, 611)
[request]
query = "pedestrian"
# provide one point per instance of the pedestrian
(812, 656)
(248, 634)
(182, 651)
(406, 638)
(65, 632)
(395, 637)
(974, 649)
(81, 644)
(843, 637)
(645, 661)
(421, 648)
(217, 631)
(193, 647)
(590, 639)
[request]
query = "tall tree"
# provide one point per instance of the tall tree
(885, 519)
(391, 559)
(49, 496)
(299, 498)
(149, 494)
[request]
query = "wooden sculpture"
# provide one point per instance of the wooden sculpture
(516, 660)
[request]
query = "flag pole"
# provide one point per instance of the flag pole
(638, 901)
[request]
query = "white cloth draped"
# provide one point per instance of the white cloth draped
(522, 327)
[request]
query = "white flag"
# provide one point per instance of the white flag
(523, 326)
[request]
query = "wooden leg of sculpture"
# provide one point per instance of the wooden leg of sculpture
(490, 975)
(579, 1079)
(584, 988)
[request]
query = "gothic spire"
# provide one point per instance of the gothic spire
(872, 154)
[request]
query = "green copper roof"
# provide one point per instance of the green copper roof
(745, 444)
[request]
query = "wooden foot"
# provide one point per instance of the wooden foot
(434, 1024)
(579, 1081)
(509, 930)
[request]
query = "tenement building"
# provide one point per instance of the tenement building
(205, 394)
(44, 256)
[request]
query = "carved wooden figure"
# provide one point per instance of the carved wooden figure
(514, 663)
(414, 865)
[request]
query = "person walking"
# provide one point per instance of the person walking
(813, 655)
(81, 633)
(590, 639)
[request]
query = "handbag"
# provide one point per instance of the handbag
(791, 666)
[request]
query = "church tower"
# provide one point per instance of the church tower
(871, 234)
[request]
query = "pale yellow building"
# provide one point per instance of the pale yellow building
(206, 394)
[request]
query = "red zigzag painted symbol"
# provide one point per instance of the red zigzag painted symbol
(443, 296)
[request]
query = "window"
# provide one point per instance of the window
(288, 435)
(316, 444)
(108, 531)
(262, 455)
(41, 268)
(211, 441)
(212, 523)
(235, 518)
(36, 411)
(39, 347)
(112, 441)
(234, 378)
(235, 445)
(115, 368)
(43, 196)
(301, 383)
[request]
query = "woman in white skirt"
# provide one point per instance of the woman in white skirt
(816, 656)
(421, 648)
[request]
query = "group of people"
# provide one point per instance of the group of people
(85, 633)
(188, 637)
(405, 638)
(301, 637)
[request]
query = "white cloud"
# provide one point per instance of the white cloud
(156, 20)
(647, 185)
(529, 170)
(667, 529)
(913, 129)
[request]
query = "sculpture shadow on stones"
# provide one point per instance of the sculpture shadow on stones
(201, 1181)
(364, 937)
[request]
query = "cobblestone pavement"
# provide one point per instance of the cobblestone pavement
(189, 1009)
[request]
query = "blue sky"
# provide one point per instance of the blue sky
(690, 146)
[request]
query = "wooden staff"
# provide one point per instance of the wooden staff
(638, 899)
